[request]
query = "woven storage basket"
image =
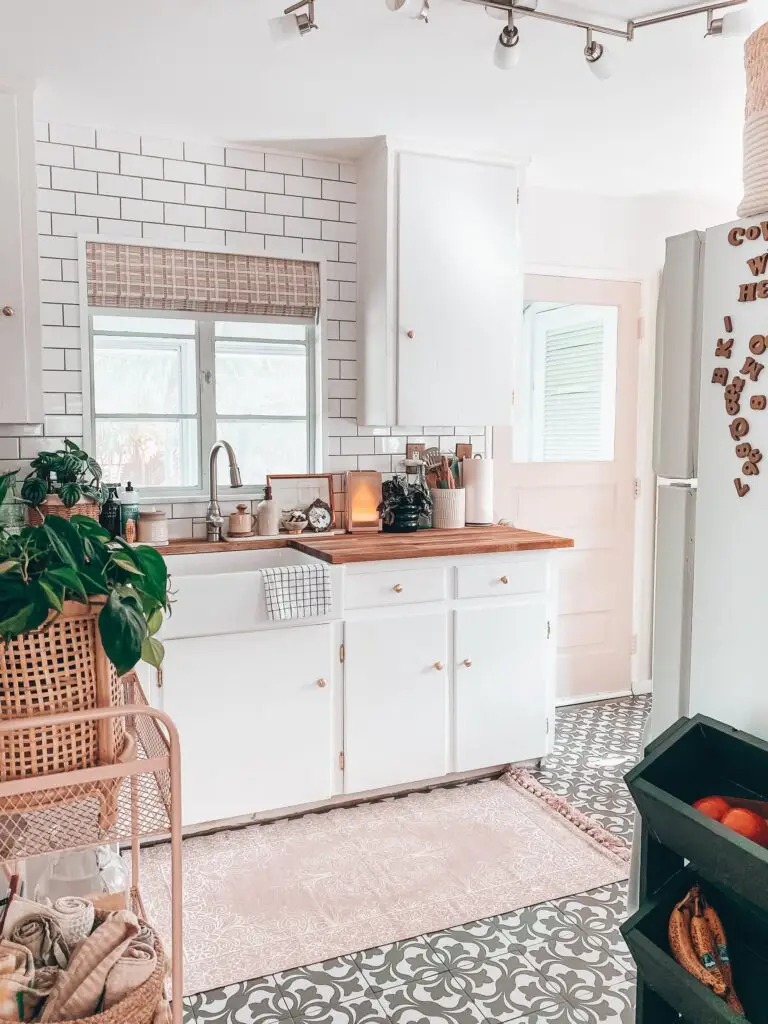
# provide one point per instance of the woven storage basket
(756, 125)
(139, 1007)
(61, 667)
(54, 506)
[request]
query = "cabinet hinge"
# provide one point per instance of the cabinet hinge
(633, 644)
(160, 677)
(518, 197)
(636, 488)
(342, 653)
(549, 629)
(341, 760)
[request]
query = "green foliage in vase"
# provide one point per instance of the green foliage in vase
(77, 560)
(398, 493)
(70, 473)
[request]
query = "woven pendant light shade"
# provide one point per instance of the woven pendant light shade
(756, 125)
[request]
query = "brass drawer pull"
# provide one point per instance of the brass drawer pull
(321, 683)
(439, 666)
(505, 579)
(398, 588)
(468, 662)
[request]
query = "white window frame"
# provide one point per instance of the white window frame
(316, 332)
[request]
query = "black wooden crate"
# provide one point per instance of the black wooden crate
(705, 758)
(747, 930)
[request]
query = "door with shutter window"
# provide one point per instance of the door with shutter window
(568, 465)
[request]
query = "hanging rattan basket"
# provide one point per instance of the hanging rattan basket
(755, 199)
(61, 667)
(54, 506)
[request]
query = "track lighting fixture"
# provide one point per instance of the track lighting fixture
(416, 9)
(597, 59)
(506, 53)
(736, 23)
(293, 23)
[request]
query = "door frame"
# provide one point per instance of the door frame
(580, 286)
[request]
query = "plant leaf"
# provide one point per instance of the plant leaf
(7, 481)
(152, 651)
(55, 599)
(57, 543)
(122, 630)
(126, 564)
(152, 564)
(34, 490)
(154, 621)
(68, 534)
(10, 563)
(90, 528)
(70, 494)
(70, 579)
(15, 624)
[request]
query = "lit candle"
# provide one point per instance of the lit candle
(363, 498)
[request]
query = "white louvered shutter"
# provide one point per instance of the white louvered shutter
(573, 387)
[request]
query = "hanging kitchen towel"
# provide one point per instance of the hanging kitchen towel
(297, 591)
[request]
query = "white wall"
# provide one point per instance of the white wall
(578, 234)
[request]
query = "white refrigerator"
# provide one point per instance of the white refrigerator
(710, 650)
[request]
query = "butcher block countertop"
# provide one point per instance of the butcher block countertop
(378, 547)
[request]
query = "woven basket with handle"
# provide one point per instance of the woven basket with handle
(61, 667)
(138, 1007)
(54, 506)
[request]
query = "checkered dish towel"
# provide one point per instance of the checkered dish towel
(297, 591)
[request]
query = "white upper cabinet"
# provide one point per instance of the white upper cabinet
(21, 397)
(439, 288)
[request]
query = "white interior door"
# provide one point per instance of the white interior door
(395, 700)
(501, 692)
(567, 466)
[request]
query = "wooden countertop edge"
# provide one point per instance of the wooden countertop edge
(340, 549)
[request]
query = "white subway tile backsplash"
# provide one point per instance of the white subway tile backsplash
(97, 160)
(49, 245)
(61, 380)
(121, 141)
(347, 252)
(142, 209)
(342, 389)
(181, 170)
(348, 291)
(381, 463)
(74, 404)
(320, 169)
(265, 223)
(55, 202)
(342, 191)
(302, 227)
(163, 191)
(261, 181)
(72, 358)
(71, 316)
(50, 270)
(282, 163)
(242, 242)
(72, 135)
(229, 220)
(141, 166)
(317, 249)
(296, 186)
(64, 426)
(9, 447)
(341, 310)
(55, 155)
(53, 359)
(204, 195)
(341, 349)
(193, 216)
(163, 232)
(205, 236)
(348, 330)
(72, 180)
(41, 131)
(357, 446)
(238, 199)
(59, 291)
(348, 211)
(98, 206)
(282, 248)
(348, 172)
(323, 209)
(43, 176)
(60, 337)
(342, 428)
(54, 404)
(203, 153)
(348, 369)
(339, 231)
(290, 206)
(162, 147)
(119, 185)
(224, 177)
(341, 271)
(248, 158)
(340, 463)
(120, 228)
(332, 290)
(69, 270)
(51, 314)
(390, 445)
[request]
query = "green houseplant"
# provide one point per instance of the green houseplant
(62, 479)
(402, 503)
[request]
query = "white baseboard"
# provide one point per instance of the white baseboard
(590, 698)
(641, 688)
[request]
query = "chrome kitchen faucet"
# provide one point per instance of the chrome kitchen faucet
(213, 517)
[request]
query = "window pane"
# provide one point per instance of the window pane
(132, 376)
(263, 447)
(143, 324)
(254, 379)
(252, 329)
(149, 453)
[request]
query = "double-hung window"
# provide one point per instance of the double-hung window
(165, 386)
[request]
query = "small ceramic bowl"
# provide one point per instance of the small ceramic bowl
(292, 527)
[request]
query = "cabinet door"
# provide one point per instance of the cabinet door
(256, 729)
(395, 701)
(501, 698)
(20, 354)
(458, 289)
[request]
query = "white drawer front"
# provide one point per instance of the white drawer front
(390, 589)
(502, 578)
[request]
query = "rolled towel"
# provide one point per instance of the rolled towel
(78, 990)
(74, 916)
(21, 987)
(131, 971)
(41, 934)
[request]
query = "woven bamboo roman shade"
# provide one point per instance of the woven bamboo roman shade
(142, 277)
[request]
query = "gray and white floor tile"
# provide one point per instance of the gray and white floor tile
(562, 962)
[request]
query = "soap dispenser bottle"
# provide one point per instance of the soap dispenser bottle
(268, 515)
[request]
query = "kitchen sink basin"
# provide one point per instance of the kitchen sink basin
(217, 563)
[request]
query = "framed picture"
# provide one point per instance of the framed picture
(292, 490)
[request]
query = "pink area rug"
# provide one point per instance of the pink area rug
(267, 898)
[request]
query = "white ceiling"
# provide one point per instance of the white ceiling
(670, 118)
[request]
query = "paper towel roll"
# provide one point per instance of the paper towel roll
(478, 483)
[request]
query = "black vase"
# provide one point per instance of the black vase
(406, 520)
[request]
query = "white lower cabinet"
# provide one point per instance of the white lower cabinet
(255, 718)
(396, 700)
(501, 688)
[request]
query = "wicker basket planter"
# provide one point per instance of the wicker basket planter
(54, 506)
(755, 199)
(61, 667)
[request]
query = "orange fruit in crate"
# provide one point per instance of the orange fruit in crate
(748, 824)
(713, 806)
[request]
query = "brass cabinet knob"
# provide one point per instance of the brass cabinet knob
(321, 683)
(505, 579)
(410, 334)
(439, 666)
(8, 311)
(468, 662)
(398, 588)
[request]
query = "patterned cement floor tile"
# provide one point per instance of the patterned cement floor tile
(398, 963)
(442, 999)
(252, 1002)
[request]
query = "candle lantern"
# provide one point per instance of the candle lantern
(363, 498)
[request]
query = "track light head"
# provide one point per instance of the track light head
(732, 25)
(416, 9)
(596, 57)
(293, 23)
(506, 53)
